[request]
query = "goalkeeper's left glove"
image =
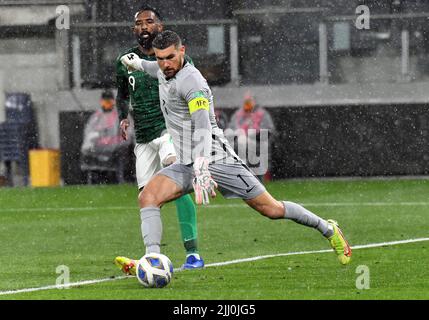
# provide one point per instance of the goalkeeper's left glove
(203, 182)
(132, 61)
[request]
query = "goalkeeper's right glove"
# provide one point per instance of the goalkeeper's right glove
(203, 182)
(132, 62)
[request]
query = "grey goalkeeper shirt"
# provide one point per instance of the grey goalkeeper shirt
(193, 134)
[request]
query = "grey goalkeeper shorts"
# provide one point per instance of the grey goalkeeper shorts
(234, 180)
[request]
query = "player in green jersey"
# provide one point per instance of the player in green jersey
(154, 147)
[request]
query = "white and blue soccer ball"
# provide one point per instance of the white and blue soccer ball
(154, 270)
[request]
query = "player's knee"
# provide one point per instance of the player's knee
(148, 198)
(270, 214)
(273, 211)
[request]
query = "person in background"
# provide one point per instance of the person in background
(246, 125)
(102, 142)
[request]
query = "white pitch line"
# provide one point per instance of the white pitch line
(366, 204)
(363, 246)
(61, 286)
(217, 206)
(216, 264)
(330, 204)
(60, 209)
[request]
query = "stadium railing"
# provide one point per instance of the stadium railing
(392, 49)
(214, 49)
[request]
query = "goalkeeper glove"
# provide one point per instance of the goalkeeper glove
(132, 62)
(203, 182)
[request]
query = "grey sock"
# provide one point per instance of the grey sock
(299, 214)
(151, 228)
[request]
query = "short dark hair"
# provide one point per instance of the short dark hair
(167, 39)
(148, 8)
(107, 94)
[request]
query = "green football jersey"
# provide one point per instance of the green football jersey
(143, 96)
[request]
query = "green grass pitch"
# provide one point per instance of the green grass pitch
(84, 228)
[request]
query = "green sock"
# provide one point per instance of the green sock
(187, 216)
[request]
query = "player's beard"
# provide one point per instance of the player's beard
(171, 72)
(146, 42)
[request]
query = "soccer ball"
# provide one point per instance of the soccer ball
(154, 270)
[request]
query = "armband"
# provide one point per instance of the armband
(198, 103)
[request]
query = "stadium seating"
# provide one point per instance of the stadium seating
(18, 134)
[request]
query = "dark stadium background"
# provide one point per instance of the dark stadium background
(345, 101)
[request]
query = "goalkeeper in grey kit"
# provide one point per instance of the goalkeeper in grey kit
(205, 160)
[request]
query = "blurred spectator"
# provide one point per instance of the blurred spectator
(103, 148)
(252, 126)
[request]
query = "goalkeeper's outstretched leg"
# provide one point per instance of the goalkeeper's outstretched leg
(233, 181)
(274, 209)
